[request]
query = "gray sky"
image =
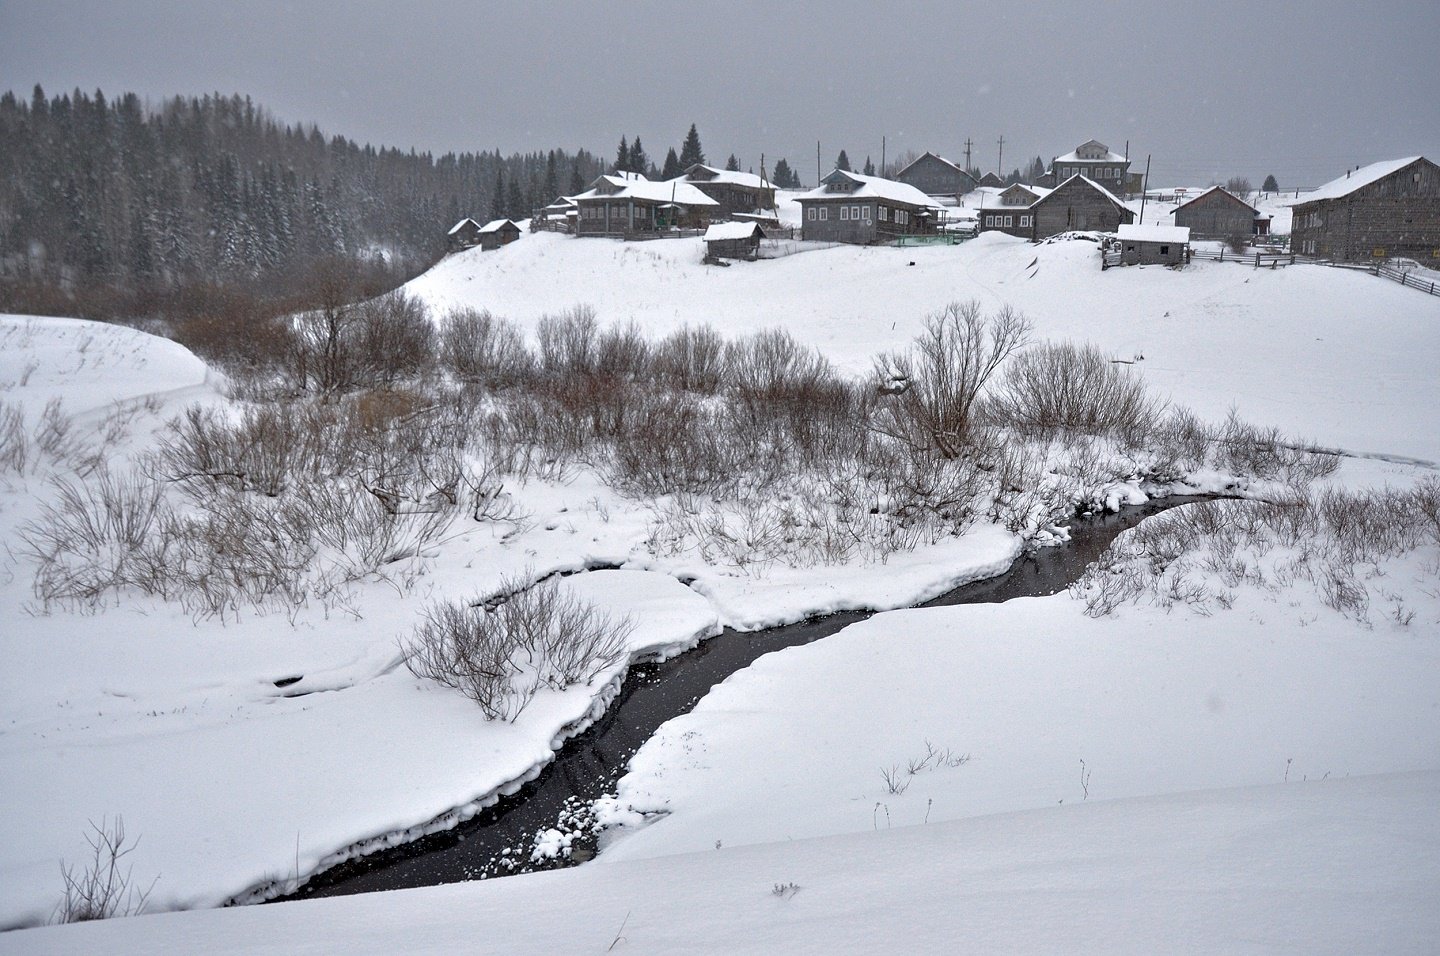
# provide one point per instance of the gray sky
(1211, 88)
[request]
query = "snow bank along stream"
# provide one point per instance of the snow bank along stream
(547, 822)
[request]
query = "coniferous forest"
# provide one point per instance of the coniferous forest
(109, 206)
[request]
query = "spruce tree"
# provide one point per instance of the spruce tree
(515, 201)
(577, 181)
(622, 157)
(843, 162)
(1270, 185)
(690, 151)
(497, 198)
(869, 167)
(639, 162)
(672, 166)
(552, 178)
(732, 165)
(784, 178)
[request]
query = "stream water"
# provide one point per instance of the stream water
(498, 840)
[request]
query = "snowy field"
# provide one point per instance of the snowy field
(1146, 781)
(1339, 357)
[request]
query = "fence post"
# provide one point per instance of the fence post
(1257, 260)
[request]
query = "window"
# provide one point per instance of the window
(844, 212)
(989, 220)
(824, 213)
(1024, 221)
(884, 213)
(1008, 221)
(1164, 250)
(810, 214)
(865, 212)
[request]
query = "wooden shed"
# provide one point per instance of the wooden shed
(733, 240)
(497, 233)
(1148, 244)
(463, 235)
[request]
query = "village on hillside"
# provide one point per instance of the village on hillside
(1385, 215)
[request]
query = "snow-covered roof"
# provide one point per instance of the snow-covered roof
(1074, 155)
(1150, 232)
(1364, 176)
(1111, 196)
(726, 176)
(953, 165)
(495, 225)
(871, 187)
(1219, 189)
(461, 225)
(1038, 192)
(633, 186)
(733, 230)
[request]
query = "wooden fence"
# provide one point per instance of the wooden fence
(1406, 278)
(1258, 260)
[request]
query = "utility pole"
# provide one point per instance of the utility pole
(883, 174)
(967, 154)
(1000, 159)
(1145, 189)
(817, 163)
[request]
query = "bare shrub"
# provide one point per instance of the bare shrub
(14, 438)
(622, 354)
(670, 445)
(478, 348)
(396, 337)
(692, 359)
(499, 656)
(932, 390)
(567, 344)
(1068, 386)
(103, 886)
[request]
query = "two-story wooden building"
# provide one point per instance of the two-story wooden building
(936, 176)
(1079, 204)
(850, 207)
(1386, 209)
(1219, 214)
(1095, 162)
(628, 204)
(735, 192)
(1009, 210)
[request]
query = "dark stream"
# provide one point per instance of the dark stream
(497, 841)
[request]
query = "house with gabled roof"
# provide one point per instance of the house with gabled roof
(851, 207)
(463, 235)
(629, 205)
(734, 191)
(1008, 211)
(1096, 162)
(1380, 211)
(991, 181)
(1079, 204)
(935, 175)
(1218, 213)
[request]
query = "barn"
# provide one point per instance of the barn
(1219, 214)
(1380, 211)
(497, 233)
(937, 176)
(733, 240)
(1079, 204)
(463, 235)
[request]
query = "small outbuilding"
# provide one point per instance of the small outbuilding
(497, 233)
(463, 235)
(1146, 244)
(733, 240)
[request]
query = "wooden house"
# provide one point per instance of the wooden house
(1386, 209)
(735, 192)
(991, 181)
(733, 240)
(936, 176)
(1150, 244)
(850, 207)
(1079, 204)
(1094, 161)
(497, 233)
(559, 216)
(629, 205)
(1008, 211)
(1219, 214)
(463, 235)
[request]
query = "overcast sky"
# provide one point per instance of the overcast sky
(1211, 89)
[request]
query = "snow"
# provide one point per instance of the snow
(461, 225)
(1217, 335)
(1345, 185)
(1150, 232)
(1074, 155)
(731, 230)
(635, 186)
(1216, 749)
(495, 225)
(1334, 866)
(723, 176)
